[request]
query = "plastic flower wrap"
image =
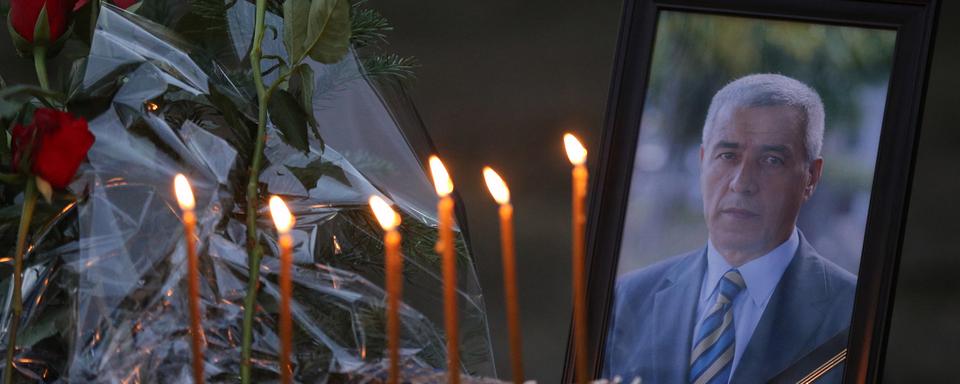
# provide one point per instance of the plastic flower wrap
(104, 284)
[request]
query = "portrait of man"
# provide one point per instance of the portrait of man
(756, 296)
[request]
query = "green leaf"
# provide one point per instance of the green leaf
(231, 113)
(23, 46)
(23, 93)
(295, 13)
(317, 169)
(305, 77)
(41, 31)
(306, 90)
(49, 325)
(288, 116)
(328, 30)
(17, 96)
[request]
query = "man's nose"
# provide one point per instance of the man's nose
(744, 179)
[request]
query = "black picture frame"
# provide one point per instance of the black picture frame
(914, 21)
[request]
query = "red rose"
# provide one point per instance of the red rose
(56, 141)
(24, 15)
(119, 3)
(124, 3)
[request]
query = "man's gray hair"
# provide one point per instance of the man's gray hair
(767, 90)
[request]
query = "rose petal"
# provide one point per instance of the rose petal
(61, 144)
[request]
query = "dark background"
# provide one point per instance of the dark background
(501, 80)
(499, 83)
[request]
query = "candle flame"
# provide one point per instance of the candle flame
(184, 194)
(385, 215)
(336, 246)
(575, 151)
(497, 187)
(282, 218)
(441, 179)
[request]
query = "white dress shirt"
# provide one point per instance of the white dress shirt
(761, 276)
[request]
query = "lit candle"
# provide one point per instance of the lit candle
(443, 184)
(501, 194)
(185, 199)
(284, 221)
(578, 156)
(389, 220)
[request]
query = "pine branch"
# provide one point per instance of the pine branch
(206, 25)
(391, 65)
(212, 12)
(368, 27)
(368, 162)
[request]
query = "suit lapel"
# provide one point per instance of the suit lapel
(674, 309)
(789, 321)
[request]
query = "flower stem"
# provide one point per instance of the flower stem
(26, 215)
(253, 198)
(40, 63)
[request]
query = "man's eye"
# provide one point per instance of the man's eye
(773, 160)
(727, 156)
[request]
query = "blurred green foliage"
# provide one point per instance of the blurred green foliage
(697, 54)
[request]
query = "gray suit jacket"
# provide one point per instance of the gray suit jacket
(655, 307)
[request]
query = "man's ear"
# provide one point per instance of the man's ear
(701, 156)
(814, 171)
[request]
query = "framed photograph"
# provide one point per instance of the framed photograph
(746, 219)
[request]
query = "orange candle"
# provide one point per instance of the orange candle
(187, 203)
(501, 194)
(445, 247)
(578, 156)
(389, 220)
(284, 221)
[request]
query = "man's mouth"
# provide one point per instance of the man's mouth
(739, 213)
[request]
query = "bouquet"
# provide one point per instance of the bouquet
(95, 286)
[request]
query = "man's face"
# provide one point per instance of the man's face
(755, 176)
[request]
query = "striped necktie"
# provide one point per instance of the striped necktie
(712, 356)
